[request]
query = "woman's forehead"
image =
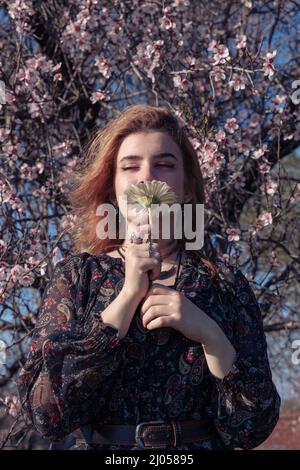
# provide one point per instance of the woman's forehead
(148, 144)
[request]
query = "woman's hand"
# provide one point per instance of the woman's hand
(164, 306)
(140, 269)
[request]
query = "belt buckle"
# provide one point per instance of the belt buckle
(138, 437)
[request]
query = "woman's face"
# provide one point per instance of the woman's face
(149, 156)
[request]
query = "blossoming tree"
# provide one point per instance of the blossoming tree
(229, 71)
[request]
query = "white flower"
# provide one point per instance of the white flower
(148, 193)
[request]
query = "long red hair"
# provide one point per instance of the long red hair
(93, 183)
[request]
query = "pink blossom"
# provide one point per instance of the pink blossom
(10, 197)
(231, 125)
(195, 143)
(278, 103)
(181, 83)
(269, 186)
(191, 61)
(219, 159)
(97, 96)
(167, 23)
(255, 120)
(42, 64)
(12, 404)
(212, 162)
(16, 272)
(218, 74)
(220, 136)
(221, 52)
(40, 167)
(68, 221)
(41, 192)
(259, 152)
(264, 168)
(103, 66)
(225, 258)
(241, 41)
(265, 219)
(233, 234)
(62, 149)
(270, 55)
(210, 147)
(27, 279)
(57, 77)
(244, 147)
(14, 150)
(238, 179)
(268, 66)
(20, 10)
(237, 82)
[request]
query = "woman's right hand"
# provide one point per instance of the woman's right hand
(139, 267)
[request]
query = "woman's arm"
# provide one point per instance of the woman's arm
(72, 364)
(248, 402)
(219, 353)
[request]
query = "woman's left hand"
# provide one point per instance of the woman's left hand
(164, 306)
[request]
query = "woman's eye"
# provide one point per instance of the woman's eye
(163, 164)
(135, 167)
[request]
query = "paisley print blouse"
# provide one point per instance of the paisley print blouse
(78, 371)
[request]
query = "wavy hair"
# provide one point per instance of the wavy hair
(93, 183)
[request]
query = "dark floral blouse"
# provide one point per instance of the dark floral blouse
(79, 371)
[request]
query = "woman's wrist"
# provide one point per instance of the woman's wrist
(220, 355)
(130, 296)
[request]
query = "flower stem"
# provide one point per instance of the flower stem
(150, 223)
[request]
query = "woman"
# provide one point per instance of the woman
(127, 358)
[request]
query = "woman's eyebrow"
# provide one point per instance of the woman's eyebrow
(138, 157)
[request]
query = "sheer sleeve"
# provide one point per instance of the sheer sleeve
(72, 362)
(248, 402)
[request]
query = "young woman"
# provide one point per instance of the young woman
(123, 357)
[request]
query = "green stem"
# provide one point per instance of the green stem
(150, 223)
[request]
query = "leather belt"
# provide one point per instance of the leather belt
(150, 434)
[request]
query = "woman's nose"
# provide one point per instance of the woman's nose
(147, 174)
